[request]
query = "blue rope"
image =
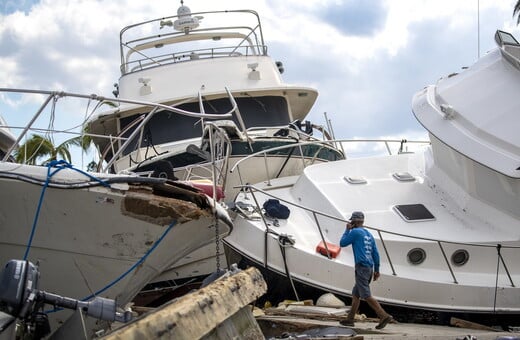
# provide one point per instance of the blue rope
(59, 165)
(141, 260)
(122, 276)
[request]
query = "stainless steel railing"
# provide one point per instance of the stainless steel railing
(52, 98)
(323, 144)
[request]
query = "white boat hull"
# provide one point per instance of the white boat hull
(473, 287)
(256, 169)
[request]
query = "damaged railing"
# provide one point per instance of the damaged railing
(53, 97)
(139, 130)
(254, 191)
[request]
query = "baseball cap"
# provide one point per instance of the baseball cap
(357, 216)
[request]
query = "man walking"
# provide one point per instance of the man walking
(366, 258)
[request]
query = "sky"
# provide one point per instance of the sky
(366, 58)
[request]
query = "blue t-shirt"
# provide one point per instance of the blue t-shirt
(363, 245)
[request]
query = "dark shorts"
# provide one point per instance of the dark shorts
(363, 278)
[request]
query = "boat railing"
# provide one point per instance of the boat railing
(138, 125)
(145, 38)
(139, 130)
(317, 215)
(50, 104)
(325, 136)
(322, 144)
(190, 55)
(216, 168)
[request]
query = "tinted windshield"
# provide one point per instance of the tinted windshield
(169, 127)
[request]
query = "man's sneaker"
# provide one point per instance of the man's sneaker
(347, 322)
(383, 322)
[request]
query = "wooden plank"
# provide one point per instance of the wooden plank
(198, 314)
(470, 325)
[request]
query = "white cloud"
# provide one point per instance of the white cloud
(74, 45)
(9, 72)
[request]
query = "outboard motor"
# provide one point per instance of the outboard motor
(21, 300)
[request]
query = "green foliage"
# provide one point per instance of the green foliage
(516, 12)
(38, 147)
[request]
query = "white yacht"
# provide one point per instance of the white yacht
(213, 63)
(446, 219)
(95, 234)
(209, 62)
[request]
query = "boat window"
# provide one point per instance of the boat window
(414, 212)
(505, 38)
(416, 256)
(167, 127)
(460, 257)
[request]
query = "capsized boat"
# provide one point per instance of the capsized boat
(96, 234)
(215, 63)
(446, 219)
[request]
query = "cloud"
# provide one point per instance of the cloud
(366, 82)
(11, 6)
(355, 17)
(367, 59)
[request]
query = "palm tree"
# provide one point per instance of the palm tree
(516, 12)
(39, 146)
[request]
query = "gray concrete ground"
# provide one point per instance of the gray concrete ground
(407, 331)
(419, 331)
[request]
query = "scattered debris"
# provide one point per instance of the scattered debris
(329, 333)
(329, 300)
(470, 325)
(217, 311)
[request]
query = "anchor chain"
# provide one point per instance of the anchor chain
(217, 245)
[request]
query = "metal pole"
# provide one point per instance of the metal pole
(265, 224)
(27, 127)
(478, 29)
(386, 252)
(267, 170)
(447, 262)
(507, 270)
(496, 278)
(321, 233)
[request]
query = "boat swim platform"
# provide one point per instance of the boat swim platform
(219, 310)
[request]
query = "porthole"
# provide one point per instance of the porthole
(416, 256)
(460, 257)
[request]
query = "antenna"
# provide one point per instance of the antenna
(478, 29)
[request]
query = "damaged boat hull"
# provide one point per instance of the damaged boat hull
(90, 239)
